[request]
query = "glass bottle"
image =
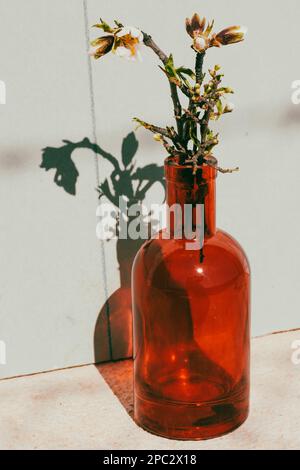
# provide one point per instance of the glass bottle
(191, 312)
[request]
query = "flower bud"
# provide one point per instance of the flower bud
(229, 108)
(200, 44)
(230, 35)
(195, 26)
(101, 46)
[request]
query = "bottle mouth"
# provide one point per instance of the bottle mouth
(185, 174)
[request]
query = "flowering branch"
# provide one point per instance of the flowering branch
(193, 140)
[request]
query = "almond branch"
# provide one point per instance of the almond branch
(148, 41)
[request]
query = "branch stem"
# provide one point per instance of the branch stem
(199, 66)
(148, 41)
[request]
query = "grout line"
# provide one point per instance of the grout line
(112, 362)
(91, 86)
(97, 169)
(276, 332)
(33, 374)
(79, 366)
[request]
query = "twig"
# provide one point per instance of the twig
(203, 147)
(148, 41)
(168, 132)
(210, 106)
(153, 128)
(178, 83)
(169, 148)
(227, 170)
(212, 163)
(189, 113)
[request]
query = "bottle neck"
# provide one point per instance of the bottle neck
(191, 198)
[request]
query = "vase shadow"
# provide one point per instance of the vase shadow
(115, 316)
(119, 378)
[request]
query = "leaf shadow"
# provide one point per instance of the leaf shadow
(113, 328)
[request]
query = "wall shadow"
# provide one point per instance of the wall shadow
(113, 329)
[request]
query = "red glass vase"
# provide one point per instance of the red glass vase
(191, 320)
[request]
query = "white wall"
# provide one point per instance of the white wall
(54, 277)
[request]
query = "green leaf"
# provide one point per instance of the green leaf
(104, 26)
(183, 73)
(219, 106)
(224, 90)
(209, 134)
(169, 67)
(170, 61)
(186, 71)
(169, 75)
(129, 148)
(118, 24)
(209, 27)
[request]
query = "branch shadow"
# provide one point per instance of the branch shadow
(113, 328)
